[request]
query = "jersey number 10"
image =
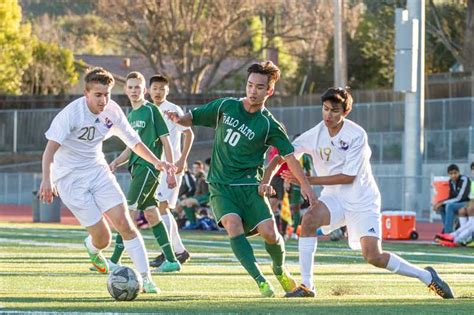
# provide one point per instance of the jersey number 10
(232, 137)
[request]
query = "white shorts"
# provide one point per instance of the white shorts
(359, 223)
(170, 195)
(90, 193)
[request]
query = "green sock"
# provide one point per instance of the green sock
(118, 249)
(190, 214)
(277, 252)
(296, 221)
(161, 235)
(244, 253)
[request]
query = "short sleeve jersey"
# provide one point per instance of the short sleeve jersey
(81, 133)
(347, 153)
(174, 129)
(241, 140)
(148, 122)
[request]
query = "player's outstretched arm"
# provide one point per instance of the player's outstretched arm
(47, 190)
(170, 179)
(120, 160)
(295, 168)
(142, 151)
(184, 120)
(338, 179)
(187, 143)
(265, 188)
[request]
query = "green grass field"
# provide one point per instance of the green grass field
(44, 268)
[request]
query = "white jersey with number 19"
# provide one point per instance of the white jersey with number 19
(347, 153)
(81, 133)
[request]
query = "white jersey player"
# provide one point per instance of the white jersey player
(75, 168)
(350, 197)
(159, 90)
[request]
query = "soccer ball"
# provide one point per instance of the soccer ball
(124, 284)
(336, 235)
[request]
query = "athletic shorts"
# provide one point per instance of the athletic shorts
(359, 223)
(169, 195)
(242, 200)
(141, 194)
(88, 194)
(277, 184)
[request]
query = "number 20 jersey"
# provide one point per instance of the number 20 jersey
(81, 133)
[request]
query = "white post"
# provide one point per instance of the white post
(15, 131)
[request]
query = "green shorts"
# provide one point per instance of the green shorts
(295, 195)
(242, 200)
(141, 194)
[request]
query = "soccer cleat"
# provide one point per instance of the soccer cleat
(439, 286)
(266, 289)
(447, 243)
(158, 261)
(99, 261)
(149, 286)
(444, 237)
(301, 291)
(112, 266)
(169, 266)
(183, 257)
(287, 282)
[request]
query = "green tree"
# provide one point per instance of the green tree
(371, 52)
(52, 70)
(15, 48)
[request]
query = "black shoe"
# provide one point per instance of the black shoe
(158, 261)
(183, 257)
(439, 286)
(301, 291)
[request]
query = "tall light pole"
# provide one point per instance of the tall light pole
(340, 56)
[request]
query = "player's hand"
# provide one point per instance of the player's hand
(266, 190)
(180, 166)
(166, 166)
(173, 116)
(286, 185)
(437, 206)
(113, 166)
(47, 191)
(171, 181)
(289, 178)
(308, 194)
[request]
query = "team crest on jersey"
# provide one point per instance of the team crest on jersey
(108, 123)
(344, 145)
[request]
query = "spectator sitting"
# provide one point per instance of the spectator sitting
(459, 189)
(201, 197)
(206, 222)
(464, 234)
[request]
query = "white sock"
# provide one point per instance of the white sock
(402, 267)
(175, 238)
(463, 221)
(169, 226)
(307, 248)
(137, 252)
(92, 249)
(177, 242)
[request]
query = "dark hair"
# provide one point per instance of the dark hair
(136, 75)
(472, 165)
(98, 75)
(453, 167)
(267, 68)
(338, 95)
(159, 78)
(199, 162)
(208, 161)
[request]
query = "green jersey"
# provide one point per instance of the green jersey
(241, 140)
(148, 122)
(307, 162)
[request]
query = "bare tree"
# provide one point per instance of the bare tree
(192, 39)
(459, 42)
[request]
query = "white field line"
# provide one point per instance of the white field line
(207, 243)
